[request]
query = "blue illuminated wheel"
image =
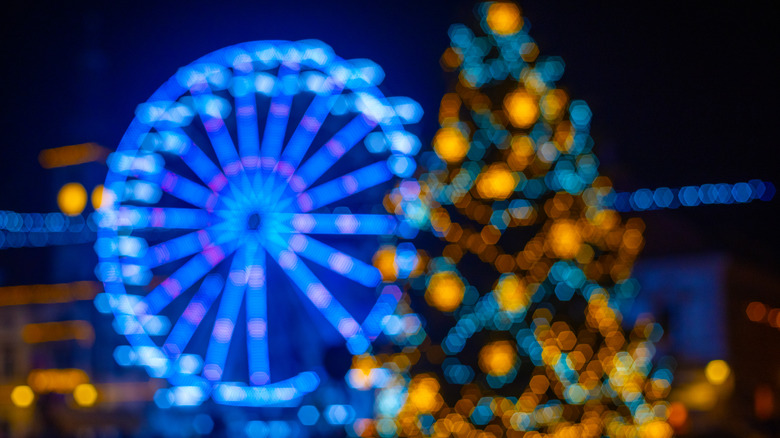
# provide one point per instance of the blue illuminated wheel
(246, 196)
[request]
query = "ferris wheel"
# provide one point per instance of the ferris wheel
(253, 177)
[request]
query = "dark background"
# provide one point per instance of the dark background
(681, 93)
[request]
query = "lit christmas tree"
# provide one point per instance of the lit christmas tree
(521, 332)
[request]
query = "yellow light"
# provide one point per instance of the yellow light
(717, 371)
(504, 18)
(72, 199)
(97, 196)
(423, 394)
(497, 358)
(497, 182)
(656, 429)
(22, 396)
(565, 239)
(85, 394)
(450, 144)
(521, 108)
(511, 293)
(445, 291)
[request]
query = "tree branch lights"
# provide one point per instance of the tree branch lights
(228, 216)
(528, 271)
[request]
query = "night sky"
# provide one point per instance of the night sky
(681, 94)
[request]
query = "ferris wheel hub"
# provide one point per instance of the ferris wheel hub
(254, 221)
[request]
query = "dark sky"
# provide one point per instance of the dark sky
(681, 94)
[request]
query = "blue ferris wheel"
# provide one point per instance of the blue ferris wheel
(243, 205)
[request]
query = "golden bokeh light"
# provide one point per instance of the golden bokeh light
(384, 261)
(424, 394)
(504, 18)
(497, 182)
(511, 294)
(521, 108)
(85, 394)
(497, 358)
(717, 371)
(450, 144)
(72, 198)
(22, 396)
(445, 291)
(565, 239)
(97, 196)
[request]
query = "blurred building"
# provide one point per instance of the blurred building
(722, 330)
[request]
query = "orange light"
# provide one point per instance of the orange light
(72, 155)
(445, 291)
(497, 182)
(656, 429)
(48, 293)
(384, 260)
(756, 311)
(521, 108)
(511, 293)
(97, 196)
(522, 152)
(678, 414)
(504, 18)
(423, 394)
(58, 331)
(565, 239)
(539, 384)
(72, 198)
(56, 380)
(497, 358)
(450, 144)
(764, 402)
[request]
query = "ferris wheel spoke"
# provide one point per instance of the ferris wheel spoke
(196, 310)
(227, 314)
(311, 287)
(163, 217)
(342, 187)
(335, 260)
(309, 126)
(329, 153)
(217, 132)
(180, 247)
(327, 223)
(257, 320)
(246, 126)
(278, 114)
(184, 277)
(183, 188)
(201, 165)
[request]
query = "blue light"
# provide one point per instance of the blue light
(339, 414)
(691, 196)
(308, 415)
